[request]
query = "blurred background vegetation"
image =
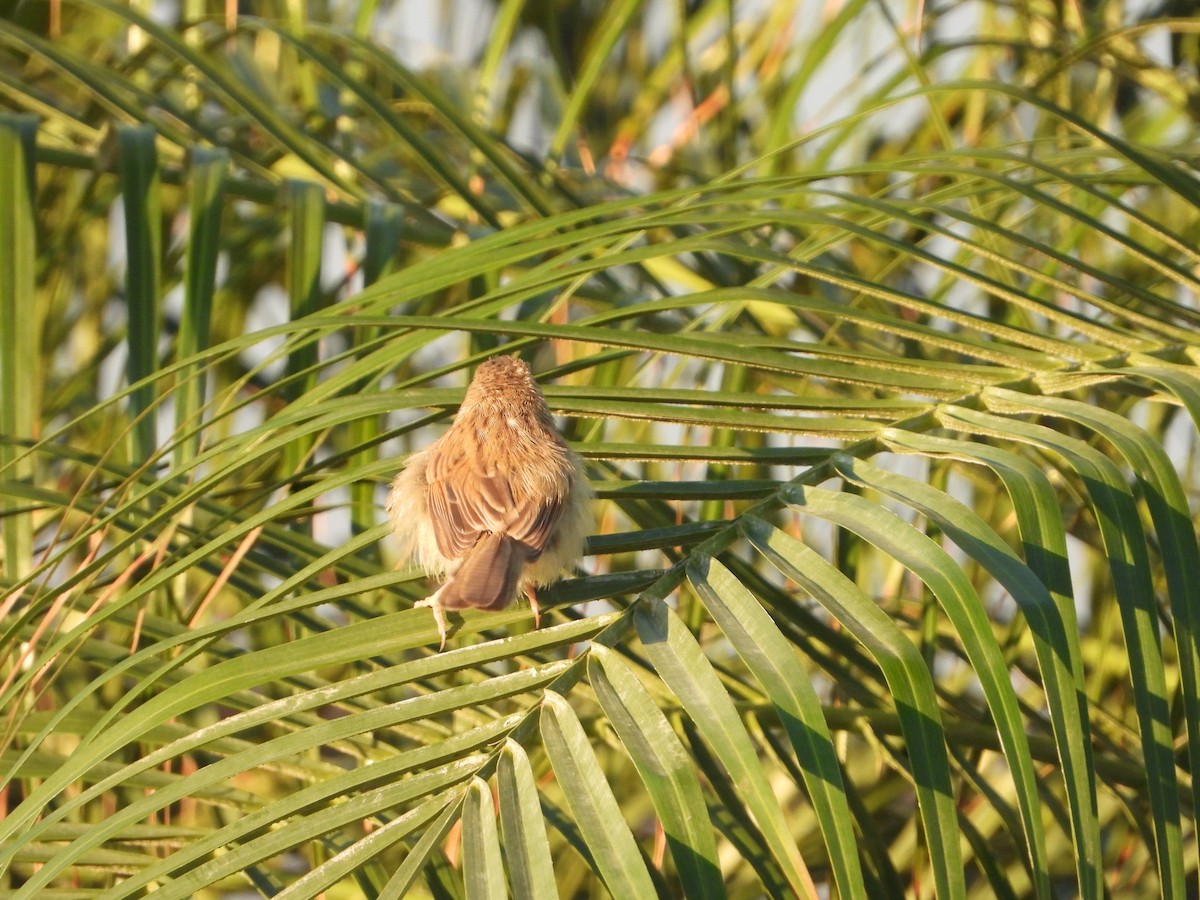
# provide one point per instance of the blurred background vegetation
(875, 322)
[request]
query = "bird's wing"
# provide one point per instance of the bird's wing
(469, 498)
(533, 522)
(464, 500)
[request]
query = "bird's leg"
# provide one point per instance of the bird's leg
(433, 601)
(531, 593)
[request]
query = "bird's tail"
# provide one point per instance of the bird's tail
(487, 578)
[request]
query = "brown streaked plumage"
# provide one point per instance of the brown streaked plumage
(498, 504)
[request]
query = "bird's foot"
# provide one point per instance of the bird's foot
(439, 615)
(533, 604)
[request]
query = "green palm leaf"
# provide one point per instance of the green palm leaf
(892, 424)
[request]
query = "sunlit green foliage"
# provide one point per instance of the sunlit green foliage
(876, 325)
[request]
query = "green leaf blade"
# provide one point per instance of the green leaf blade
(208, 175)
(591, 801)
(483, 869)
(681, 663)
(908, 679)
(140, 180)
(771, 658)
(20, 363)
(665, 768)
(527, 851)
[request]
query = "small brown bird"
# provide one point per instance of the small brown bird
(498, 503)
